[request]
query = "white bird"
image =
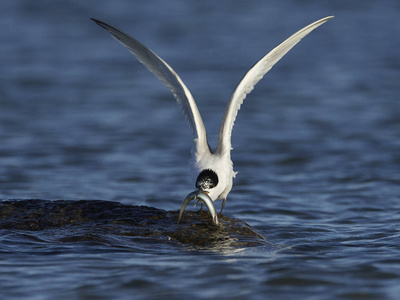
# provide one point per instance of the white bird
(213, 169)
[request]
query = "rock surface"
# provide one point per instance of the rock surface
(86, 219)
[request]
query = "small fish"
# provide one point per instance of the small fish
(203, 197)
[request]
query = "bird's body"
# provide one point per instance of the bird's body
(213, 170)
(222, 166)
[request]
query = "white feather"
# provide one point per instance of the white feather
(252, 77)
(170, 78)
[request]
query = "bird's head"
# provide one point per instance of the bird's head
(206, 181)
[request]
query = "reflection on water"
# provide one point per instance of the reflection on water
(316, 145)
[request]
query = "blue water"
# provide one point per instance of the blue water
(316, 145)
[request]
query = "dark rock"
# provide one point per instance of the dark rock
(90, 219)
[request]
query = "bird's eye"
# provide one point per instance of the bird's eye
(207, 179)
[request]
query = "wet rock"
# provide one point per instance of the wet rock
(92, 219)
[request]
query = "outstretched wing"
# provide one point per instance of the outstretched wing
(169, 77)
(252, 77)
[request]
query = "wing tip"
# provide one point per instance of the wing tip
(96, 20)
(102, 24)
(326, 19)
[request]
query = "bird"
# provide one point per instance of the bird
(213, 169)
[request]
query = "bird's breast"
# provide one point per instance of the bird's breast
(223, 168)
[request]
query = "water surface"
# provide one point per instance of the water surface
(316, 145)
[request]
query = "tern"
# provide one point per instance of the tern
(213, 169)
